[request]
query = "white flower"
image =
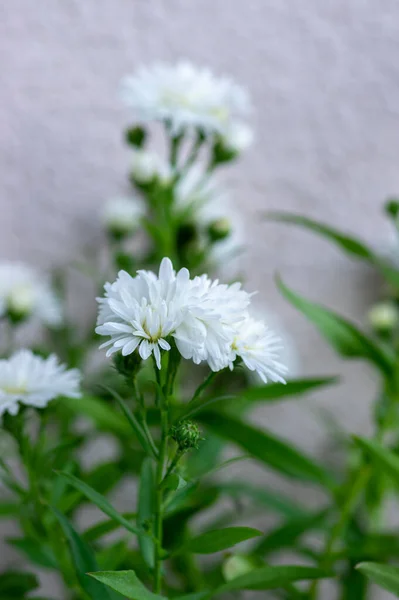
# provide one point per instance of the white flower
(238, 137)
(26, 293)
(259, 349)
(146, 166)
(209, 321)
(34, 381)
(185, 97)
(122, 214)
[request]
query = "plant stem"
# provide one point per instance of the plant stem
(158, 526)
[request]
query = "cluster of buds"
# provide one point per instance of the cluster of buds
(186, 434)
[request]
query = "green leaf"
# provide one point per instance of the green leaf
(200, 404)
(37, 553)
(83, 560)
(287, 534)
(347, 243)
(126, 583)
(268, 449)
(294, 387)
(269, 578)
(218, 539)
(344, 337)
(146, 493)
(7, 509)
(105, 417)
(15, 584)
(101, 502)
(382, 457)
(264, 497)
(135, 425)
(102, 528)
(385, 576)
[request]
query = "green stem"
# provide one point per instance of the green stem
(158, 526)
(173, 464)
(202, 387)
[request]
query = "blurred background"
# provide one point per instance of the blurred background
(324, 81)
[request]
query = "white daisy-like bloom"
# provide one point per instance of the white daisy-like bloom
(185, 97)
(238, 137)
(259, 349)
(208, 321)
(147, 166)
(31, 380)
(122, 214)
(27, 293)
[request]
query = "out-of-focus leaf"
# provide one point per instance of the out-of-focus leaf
(268, 578)
(264, 497)
(37, 553)
(343, 336)
(267, 448)
(287, 534)
(146, 499)
(102, 528)
(113, 555)
(382, 457)
(101, 502)
(15, 584)
(8, 509)
(385, 576)
(98, 411)
(83, 560)
(126, 583)
(219, 539)
(294, 387)
(200, 404)
(353, 584)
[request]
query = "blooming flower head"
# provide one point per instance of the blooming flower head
(207, 320)
(185, 97)
(26, 293)
(122, 215)
(34, 381)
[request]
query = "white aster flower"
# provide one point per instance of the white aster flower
(259, 348)
(26, 293)
(238, 137)
(147, 166)
(185, 97)
(122, 214)
(34, 381)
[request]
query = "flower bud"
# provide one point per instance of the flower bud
(136, 136)
(237, 565)
(238, 137)
(121, 216)
(127, 366)
(186, 434)
(20, 303)
(147, 167)
(219, 229)
(392, 207)
(383, 317)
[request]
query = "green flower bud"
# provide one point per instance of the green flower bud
(392, 207)
(221, 153)
(237, 565)
(127, 366)
(20, 304)
(219, 230)
(186, 434)
(136, 136)
(383, 317)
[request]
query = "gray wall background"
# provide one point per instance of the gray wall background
(324, 78)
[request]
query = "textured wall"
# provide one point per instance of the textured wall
(324, 78)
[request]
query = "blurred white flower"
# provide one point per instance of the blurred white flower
(209, 321)
(147, 166)
(122, 215)
(26, 293)
(34, 381)
(185, 97)
(383, 317)
(259, 348)
(238, 137)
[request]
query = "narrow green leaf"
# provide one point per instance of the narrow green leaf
(382, 457)
(101, 502)
(269, 578)
(344, 337)
(200, 404)
(347, 243)
(83, 559)
(294, 387)
(106, 418)
(126, 583)
(218, 539)
(385, 576)
(146, 493)
(135, 425)
(267, 448)
(102, 528)
(15, 584)
(38, 554)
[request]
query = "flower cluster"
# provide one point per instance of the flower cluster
(24, 293)
(33, 381)
(208, 321)
(186, 98)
